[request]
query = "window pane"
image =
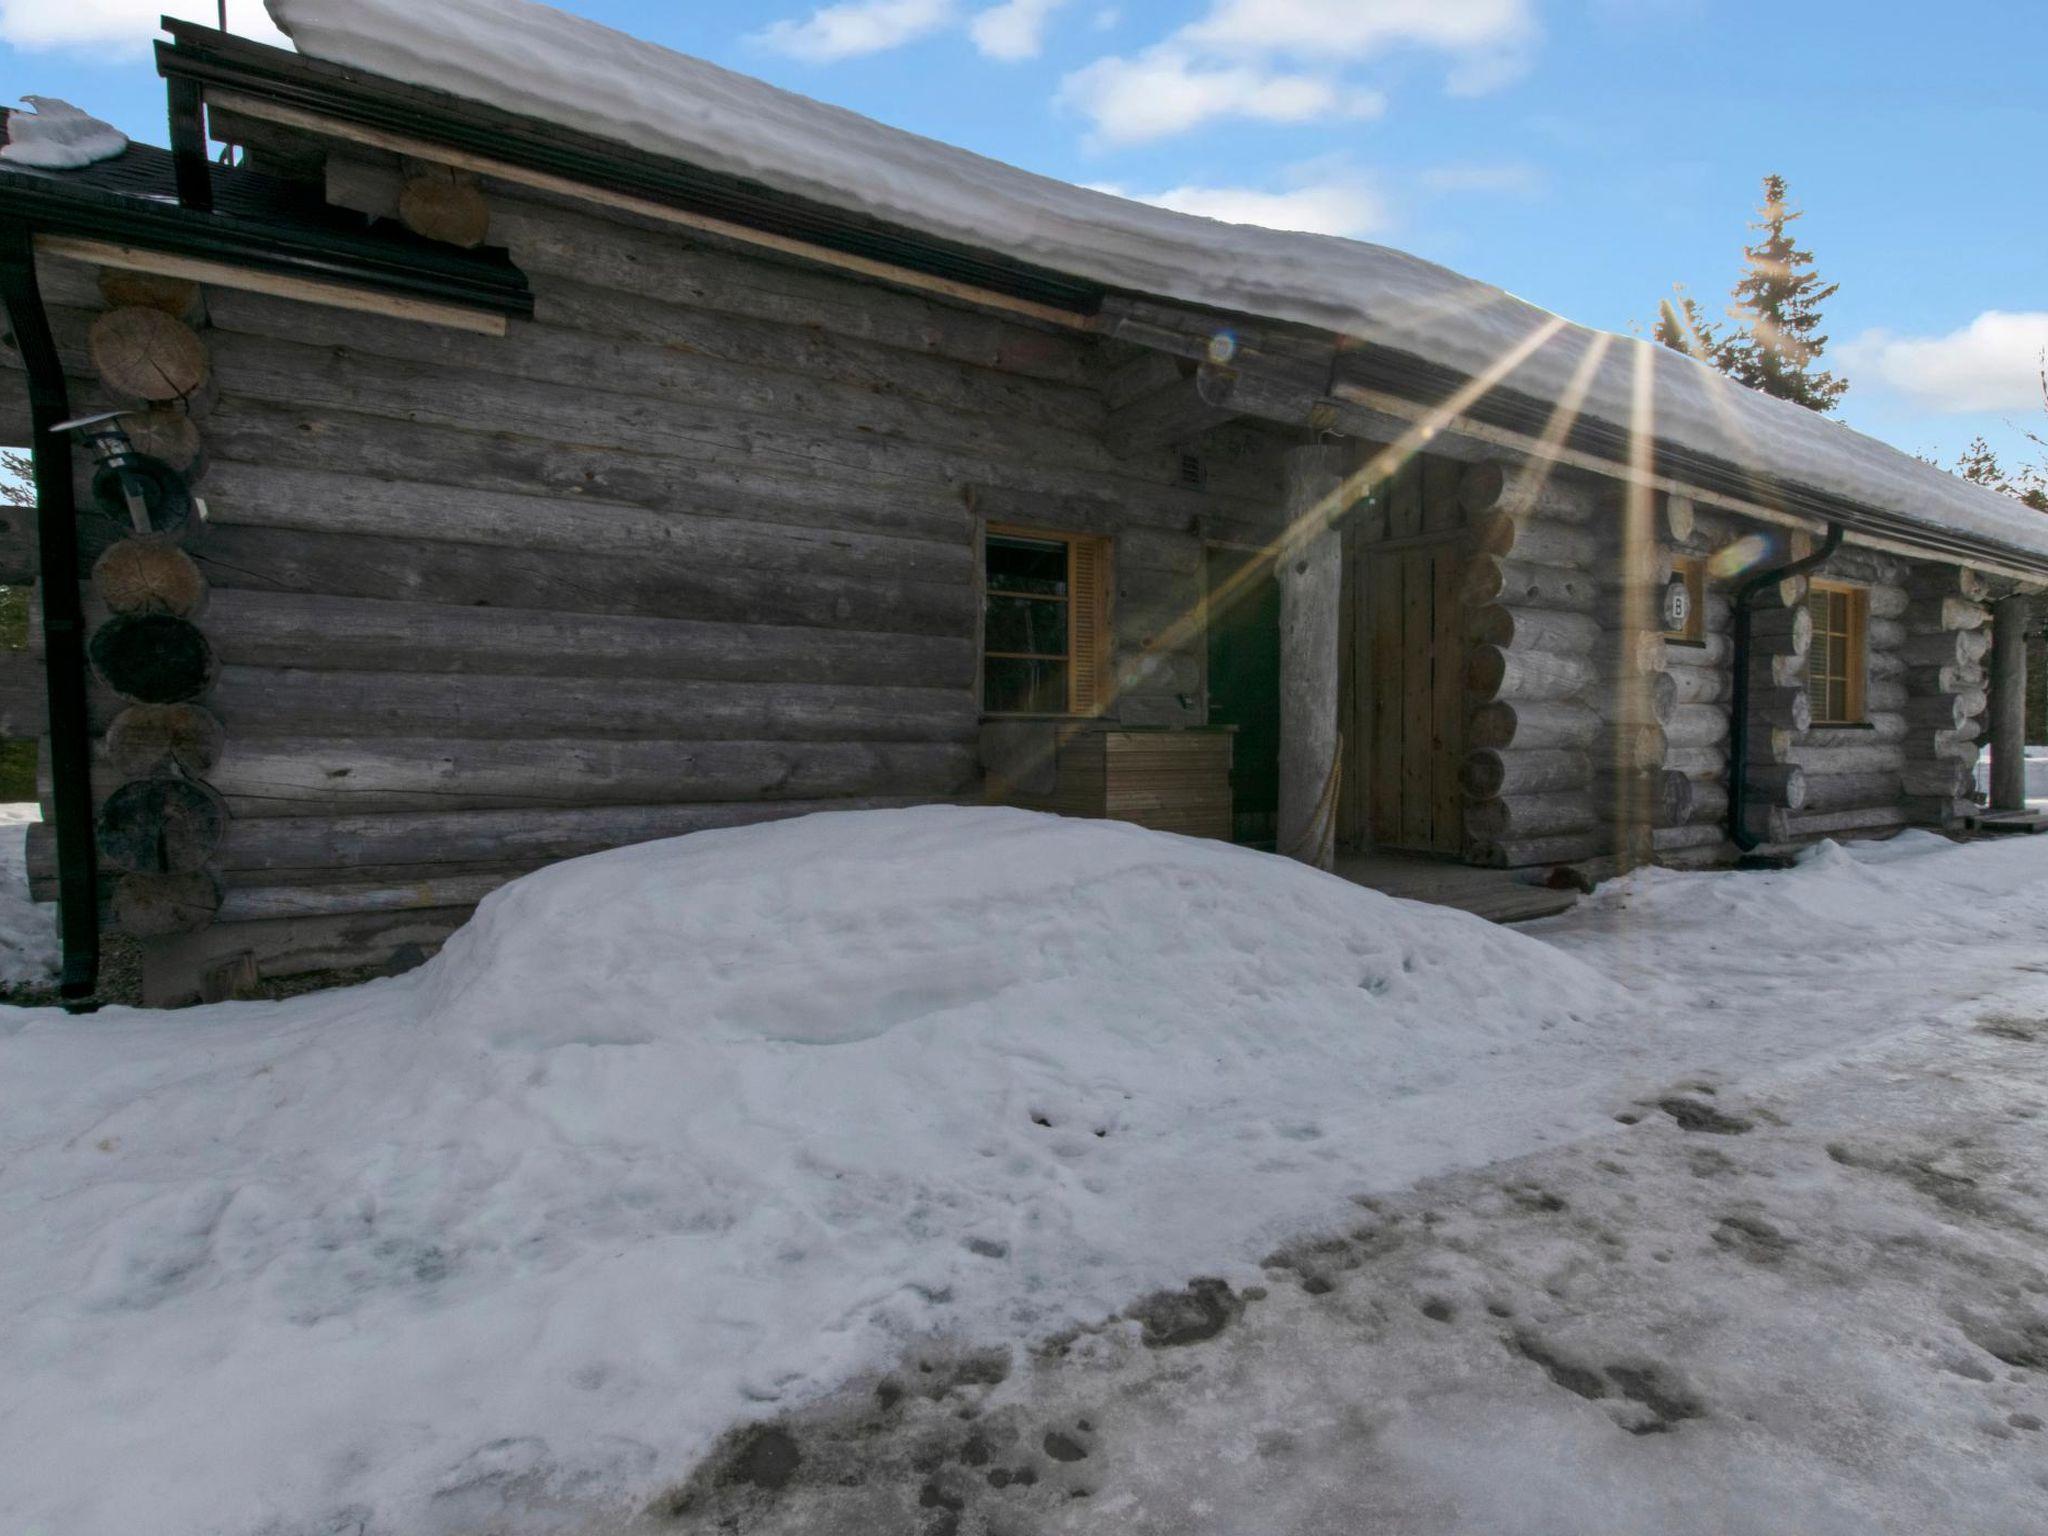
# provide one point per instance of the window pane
(1035, 626)
(1838, 699)
(1024, 687)
(1027, 565)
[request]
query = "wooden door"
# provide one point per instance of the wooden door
(1244, 684)
(1415, 695)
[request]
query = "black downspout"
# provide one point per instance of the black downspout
(1738, 723)
(78, 905)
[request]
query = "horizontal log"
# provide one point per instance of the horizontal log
(1939, 711)
(1842, 791)
(1710, 802)
(1660, 797)
(1488, 773)
(1883, 635)
(1941, 649)
(1783, 631)
(1628, 652)
(1778, 784)
(1710, 651)
(259, 903)
(1530, 816)
(1553, 630)
(1523, 584)
(1935, 776)
(1945, 613)
(1696, 726)
(1525, 676)
(1652, 698)
(1697, 762)
(24, 695)
(1847, 752)
(364, 634)
(1621, 748)
(294, 776)
(1945, 581)
(1701, 833)
(1536, 852)
(1876, 818)
(657, 582)
(148, 906)
(1789, 709)
(174, 968)
(1524, 489)
(1768, 823)
(1700, 685)
(1537, 540)
(1887, 600)
(1959, 677)
(1532, 726)
(914, 537)
(1768, 670)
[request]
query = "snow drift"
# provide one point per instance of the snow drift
(540, 62)
(674, 1133)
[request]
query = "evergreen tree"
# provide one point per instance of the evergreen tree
(1978, 463)
(1776, 341)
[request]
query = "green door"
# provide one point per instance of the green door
(1244, 686)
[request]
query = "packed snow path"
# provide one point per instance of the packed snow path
(741, 1128)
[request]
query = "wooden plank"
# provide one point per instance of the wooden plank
(1404, 500)
(173, 968)
(1447, 735)
(1441, 511)
(1418, 604)
(1386, 619)
(228, 275)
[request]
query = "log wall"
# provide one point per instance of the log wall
(696, 546)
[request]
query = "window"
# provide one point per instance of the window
(1692, 571)
(1045, 628)
(1835, 665)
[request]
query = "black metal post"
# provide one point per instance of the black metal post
(63, 618)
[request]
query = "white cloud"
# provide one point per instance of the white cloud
(1991, 364)
(123, 29)
(1357, 28)
(1013, 30)
(1507, 179)
(1281, 61)
(1163, 92)
(1347, 208)
(857, 27)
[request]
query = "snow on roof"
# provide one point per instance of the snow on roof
(537, 61)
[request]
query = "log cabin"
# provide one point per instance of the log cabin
(537, 441)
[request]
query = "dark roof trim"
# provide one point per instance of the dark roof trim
(58, 205)
(218, 60)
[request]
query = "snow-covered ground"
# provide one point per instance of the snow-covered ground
(28, 932)
(748, 1127)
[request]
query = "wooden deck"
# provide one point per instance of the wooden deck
(1493, 894)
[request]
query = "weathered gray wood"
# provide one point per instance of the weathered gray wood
(1525, 676)
(364, 634)
(20, 556)
(1522, 584)
(1174, 415)
(1490, 773)
(1784, 631)
(24, 695)
(145, 354)
(149, 575)
(1633, 745)
(294, 776)
(1942, 613)
(1696, 726)
(1784, 784)
(1782, 708)
(1859, 819)
(1530, 853)
(173, 968)
(1939, 711)
(1525, 489)
(160, 826)
(657, 582)
(1530, 816)
(1502, 724)
(1534, 629)
(1697, 762)
(1940, 581)
(152, 658)
(1311, 573)
(2008, 704)
(1840, 791)
(263, 701)
(1846, 752)
(150, 906)
(1535, 540)
(149, 739)
(1700, 685)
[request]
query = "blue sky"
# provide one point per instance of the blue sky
(1585, 154)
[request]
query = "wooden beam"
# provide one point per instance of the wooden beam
(563, 186)
(1184, 409)
(307, 290)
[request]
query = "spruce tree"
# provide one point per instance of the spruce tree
(1776, 342)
